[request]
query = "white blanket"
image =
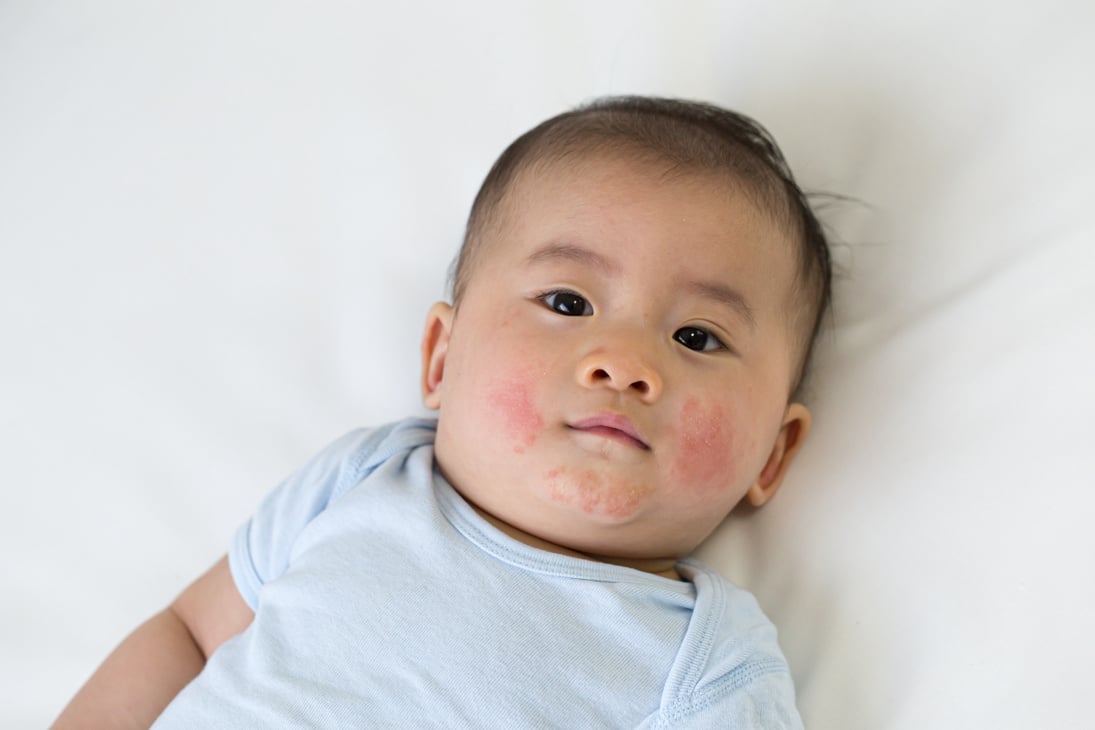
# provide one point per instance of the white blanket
(221, 225)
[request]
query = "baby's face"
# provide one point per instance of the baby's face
(615, 379)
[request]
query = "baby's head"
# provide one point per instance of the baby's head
(633, 311)
(684, 137)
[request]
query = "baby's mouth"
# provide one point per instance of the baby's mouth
(612, 426)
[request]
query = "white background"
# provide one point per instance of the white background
(221, 225)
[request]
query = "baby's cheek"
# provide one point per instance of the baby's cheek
(705, 458)
(512, 401)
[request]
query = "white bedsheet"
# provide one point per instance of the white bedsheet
(221, 225)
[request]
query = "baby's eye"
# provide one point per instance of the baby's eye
(567, 303)
(697, 339)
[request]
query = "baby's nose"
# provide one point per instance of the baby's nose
(621, 368)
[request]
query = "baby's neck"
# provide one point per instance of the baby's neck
(665, 567)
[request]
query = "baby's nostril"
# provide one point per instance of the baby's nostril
(601, 374)
(642, 386)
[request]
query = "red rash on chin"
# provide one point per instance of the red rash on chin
(705, 458)
(512, 400)
(595, 493)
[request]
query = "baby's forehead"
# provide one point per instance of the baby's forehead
(601, 215)
(571, 187)
(610, 166)
(719, 206)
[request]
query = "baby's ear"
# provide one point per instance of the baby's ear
(796, 425)
(435, 345)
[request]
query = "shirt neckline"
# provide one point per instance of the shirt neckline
(488, 538)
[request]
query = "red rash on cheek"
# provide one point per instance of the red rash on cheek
(705, 458)
(512, 400)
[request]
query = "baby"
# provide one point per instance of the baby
(633, 310)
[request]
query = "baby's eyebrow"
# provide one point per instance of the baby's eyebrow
(572, 252)
(725, 295)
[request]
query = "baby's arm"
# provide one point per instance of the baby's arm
(151, 666)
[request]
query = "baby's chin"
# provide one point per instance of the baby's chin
(606, 498)
(603, 510)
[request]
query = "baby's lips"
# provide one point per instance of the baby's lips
(612, 424)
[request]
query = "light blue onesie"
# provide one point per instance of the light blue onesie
(382, 599)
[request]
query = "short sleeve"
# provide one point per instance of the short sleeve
(731, 672)
(261, 548)
(766, 702)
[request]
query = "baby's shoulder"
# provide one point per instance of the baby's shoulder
(731, 653)
(353, 456)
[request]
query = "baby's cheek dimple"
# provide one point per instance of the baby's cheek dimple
(705, 458)
(512, 401)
